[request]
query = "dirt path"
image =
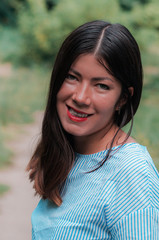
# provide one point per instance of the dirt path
(17, 204)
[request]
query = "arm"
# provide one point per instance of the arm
(132, 212)
(139, 225)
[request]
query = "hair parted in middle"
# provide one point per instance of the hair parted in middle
(116, 49)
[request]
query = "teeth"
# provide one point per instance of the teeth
(76, 114)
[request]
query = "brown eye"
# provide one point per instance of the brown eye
(71, 77)
(103, 86)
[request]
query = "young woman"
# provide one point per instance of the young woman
(95, 181)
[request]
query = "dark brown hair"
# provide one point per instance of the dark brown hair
(111, 43)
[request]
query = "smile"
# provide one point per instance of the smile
(76, 115)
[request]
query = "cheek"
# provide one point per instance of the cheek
(60, 93)
(105, 105)
(108, 111)
(65, 91)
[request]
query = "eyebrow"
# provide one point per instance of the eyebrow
(94, 79)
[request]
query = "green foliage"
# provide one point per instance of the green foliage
(7, 12)
(5, 153)
(127, 5)
(43, 24)
(147, 16)
(3, 188)
(44, 30)
(50, 4)
(10, 44)
(143, 22)
(20, 94)
(146, 128)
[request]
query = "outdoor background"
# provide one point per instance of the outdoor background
(31, 32)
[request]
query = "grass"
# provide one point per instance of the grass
(5, 153)
(21, 94)
(10, 44)
(146, 128)
(3, 189)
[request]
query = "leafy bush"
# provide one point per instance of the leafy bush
(44, 30)
(5, 153)
(22, 93)
(147, 16)
(3, 188)
(10, 44)
(127, 5)
(8, 12)
(144, 21)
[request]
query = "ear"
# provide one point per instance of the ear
(131, 91)
(123, 100)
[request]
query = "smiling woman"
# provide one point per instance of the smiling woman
(95, 181)
(89, 96)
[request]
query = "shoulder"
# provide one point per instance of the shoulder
(131, 162)
(134, 164)
(134, 157)
(135, 182)
(141, 224)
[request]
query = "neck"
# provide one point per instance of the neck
(97, 142)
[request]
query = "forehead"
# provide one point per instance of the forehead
(91, 66)
(86, 62)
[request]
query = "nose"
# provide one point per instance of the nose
(82, 95)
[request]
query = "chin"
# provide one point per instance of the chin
(75, 132)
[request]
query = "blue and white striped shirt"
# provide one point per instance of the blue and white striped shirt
(119, 201)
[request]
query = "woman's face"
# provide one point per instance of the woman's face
(87, 100)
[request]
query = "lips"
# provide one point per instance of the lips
(76, 115)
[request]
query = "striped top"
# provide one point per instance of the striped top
(119, 201)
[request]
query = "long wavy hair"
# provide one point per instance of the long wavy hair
(110, 43)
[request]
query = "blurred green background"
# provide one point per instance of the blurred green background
(31, 32)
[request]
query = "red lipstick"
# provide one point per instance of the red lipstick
(76, 118)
